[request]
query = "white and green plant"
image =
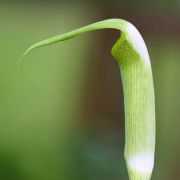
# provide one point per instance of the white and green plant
(133, 59)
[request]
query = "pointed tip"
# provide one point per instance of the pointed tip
(19, 61)
(110, 23)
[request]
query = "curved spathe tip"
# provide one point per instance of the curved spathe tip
(132, 35)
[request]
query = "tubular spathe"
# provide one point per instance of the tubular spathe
(133, 59)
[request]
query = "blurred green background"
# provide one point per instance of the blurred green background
(61, 113)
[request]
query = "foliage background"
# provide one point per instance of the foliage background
(61, 114)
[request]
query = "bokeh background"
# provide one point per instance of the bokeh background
(62, 113)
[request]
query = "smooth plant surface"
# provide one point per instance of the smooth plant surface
(132, 56)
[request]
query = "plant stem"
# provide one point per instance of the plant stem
(139, 110)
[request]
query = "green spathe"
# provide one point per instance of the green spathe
(132, 56)
(139, 110)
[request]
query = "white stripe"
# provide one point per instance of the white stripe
(142, 163)
(138, 43)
